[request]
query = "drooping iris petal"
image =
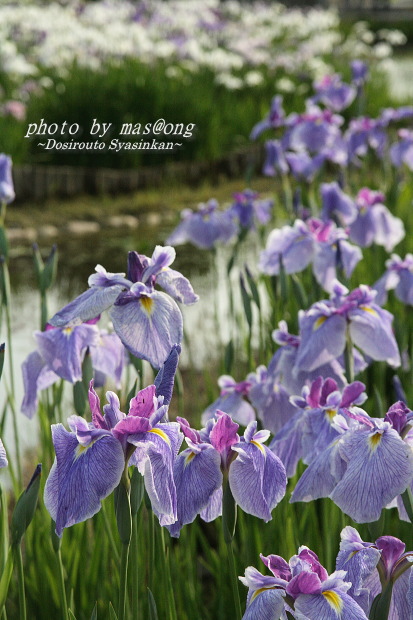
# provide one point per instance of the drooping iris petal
(88, 305)
(109, 356)
(63, 349)
(234, 404)
(82, 476)
(257, 479)
(177, 286)
(370, 329)
(267, 604)
(213, 509)
(149, 325)
(36, 377)
(379, 467)
(328, 605)
(197, 476)
(322, 340)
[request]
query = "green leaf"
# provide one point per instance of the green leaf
(71, 614)
(123, 512)
(5, 580)
(112, 613)
(381, 604)
(229, 513)
(24, 510)
(48, 275)
(131, 394)
(229, 357)
(2, 349)
(94, 615)
(4, 245)
(253, 288)
(79, 397)
(153, 612)
(137, 488)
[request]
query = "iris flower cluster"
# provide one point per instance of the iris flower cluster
(303, 587)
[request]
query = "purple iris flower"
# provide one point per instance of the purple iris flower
(6, 180)
(364, 133)
(303, 166)
(398, 275)
(334, 93)
(401, 152)
(336, 204)
(232, 401)
(3, 456)
(275, 118)
(147, 321)
(60, 354)
(363, 470)
(204, 227)
(372, 566)
(256, 476)
(321, 243)
(275, 161)
(311, 429)
(325, 327)
(91, 457)
(359, 72)
(374, 223)
(247, 209)
(314, 131)
(302, 587)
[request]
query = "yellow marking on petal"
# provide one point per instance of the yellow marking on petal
(368, 309)
(67, 331)
(161, 434)
(260, 446)
(80, 450)
(147, 304)
(334, 600)
(330, 413)
(375, 440)
(189, 458)
(318, 323)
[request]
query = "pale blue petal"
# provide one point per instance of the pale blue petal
(87, 306)
(176, 285)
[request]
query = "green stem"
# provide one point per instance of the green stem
(349, 358)
(165, 550)
(62, 589)
(123, 581)
(234, 581)
(134, 564)
(18, 559)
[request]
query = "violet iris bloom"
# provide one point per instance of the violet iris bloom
(270, 398)
(359, 71)
(256, 476)
(275, 161)
(398, 276)
(232, 401)
(321, 243)
(374, 223)
(302, 587)
(333, 93)
(204, 227)
(372, 566)
(91, 457)
(60, 354)
(311, 430)
(147, 321)
(314, 131)
(6, 180)
(275, 118)
(325, 327)
(247, 210)
(402, 151)
(336, 205)
(363, 134)
(363, 470)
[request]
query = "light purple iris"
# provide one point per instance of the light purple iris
(6, 180)
(232, 401)
(302, 587)
(373, 566)
(321, 243)
(247, 209)
(204, 227)
(275, 118)
(326, 326)
(363, 470)
(275, 161)
(334, 93)
(398, 276)
(314, 131)
(401, 152)
(374, 223)
(255, 475)
(60, 354)
(359, 72)
(147, 321)
(336, 205)
(91, 457)
(365, 133)
(310, 430)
